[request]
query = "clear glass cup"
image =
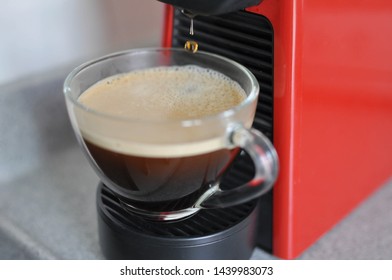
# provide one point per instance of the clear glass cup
(174, 166)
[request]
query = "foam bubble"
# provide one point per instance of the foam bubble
(162, 93)
(172, 93)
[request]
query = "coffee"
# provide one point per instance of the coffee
(158, 174)
(159, 182)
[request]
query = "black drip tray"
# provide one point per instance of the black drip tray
(227, 233)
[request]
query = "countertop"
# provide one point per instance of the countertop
(47, 187)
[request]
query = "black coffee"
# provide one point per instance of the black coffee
(158, 181)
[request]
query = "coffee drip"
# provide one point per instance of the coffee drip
(190, 45)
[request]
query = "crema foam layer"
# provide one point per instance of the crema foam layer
(159, 94)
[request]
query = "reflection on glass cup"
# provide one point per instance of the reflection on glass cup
(169, 168)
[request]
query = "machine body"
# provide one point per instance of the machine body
(326, 102)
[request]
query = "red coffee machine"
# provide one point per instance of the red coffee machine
(325, 70)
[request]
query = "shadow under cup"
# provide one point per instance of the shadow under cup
(169, 169)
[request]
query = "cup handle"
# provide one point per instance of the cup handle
(266, 163)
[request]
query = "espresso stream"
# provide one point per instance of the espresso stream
(155, 175)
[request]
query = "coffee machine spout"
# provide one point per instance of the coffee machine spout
(208, 7)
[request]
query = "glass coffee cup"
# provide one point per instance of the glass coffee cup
(169, 168)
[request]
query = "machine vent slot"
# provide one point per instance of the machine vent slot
(248, 39)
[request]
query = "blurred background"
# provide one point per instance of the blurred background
(42, 35)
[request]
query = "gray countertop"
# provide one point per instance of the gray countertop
(47, 188)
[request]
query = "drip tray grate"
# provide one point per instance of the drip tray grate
(205, 222)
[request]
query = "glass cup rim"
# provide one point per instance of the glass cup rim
(183, 122)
